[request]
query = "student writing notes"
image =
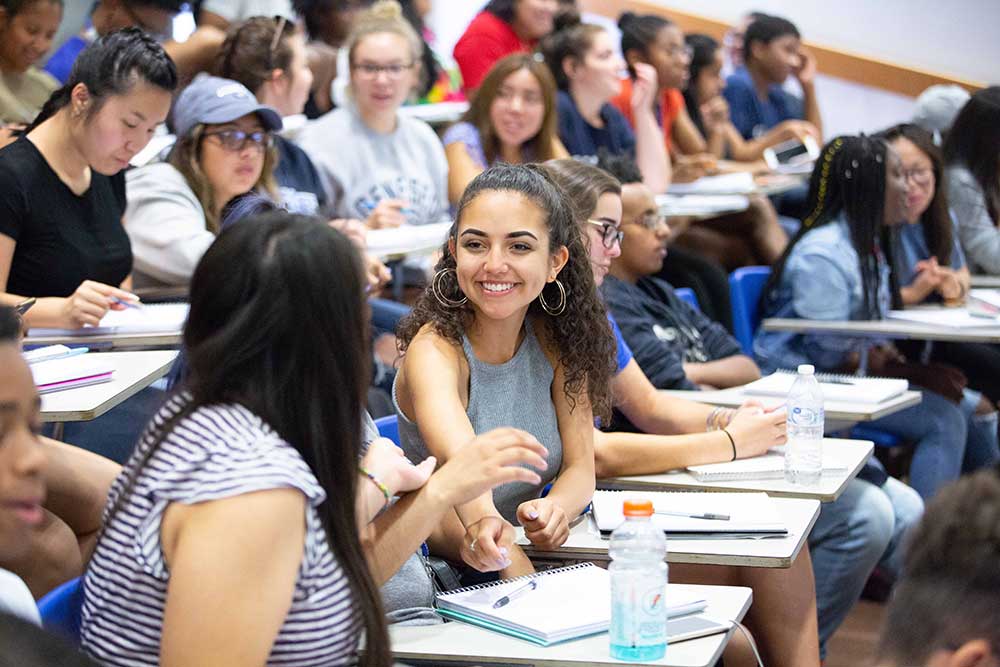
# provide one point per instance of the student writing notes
(62, 194)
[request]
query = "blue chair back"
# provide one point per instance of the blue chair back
(745, 287)
(61, 609)
(388, 427)
(687, 294)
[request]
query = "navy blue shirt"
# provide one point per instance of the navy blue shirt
(664, 332)
(753, 116)
(301, 190)
(582, 138)
(623, 353)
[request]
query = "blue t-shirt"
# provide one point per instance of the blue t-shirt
(622, 351)
(911, 247)
(582, 138)
(61, 63)
(753, 116)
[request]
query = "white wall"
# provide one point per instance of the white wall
(952, 37)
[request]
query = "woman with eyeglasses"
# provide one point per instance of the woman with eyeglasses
(376, 164)
(224, 149)
(928, 263)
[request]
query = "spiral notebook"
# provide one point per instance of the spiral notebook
(834, 387)
(564, 603)
(71, 372)
(154, 318)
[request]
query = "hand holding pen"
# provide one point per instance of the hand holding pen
(388, 213)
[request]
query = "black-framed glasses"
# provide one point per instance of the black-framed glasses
(372, 70)
(650, 221)
(919, 175)
(237, 140)
(610, 234)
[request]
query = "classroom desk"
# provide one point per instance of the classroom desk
(134, 371)
(848, 454)
(397, 242)
(836, 411)
(438, 114)
(700, 207)
(462, 644)
(884, 329)
(799, 515)
(985, 281)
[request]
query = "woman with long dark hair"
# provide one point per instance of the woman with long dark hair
(62, 190)
(511, 119)
(972, 154)
(510, 333)
(836, 269)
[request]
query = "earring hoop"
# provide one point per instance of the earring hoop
(439, 295)
(558, 310)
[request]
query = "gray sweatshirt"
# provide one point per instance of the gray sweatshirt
(360, 167)
(978, 233)
(166, 225)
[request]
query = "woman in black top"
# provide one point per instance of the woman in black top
(62, 193)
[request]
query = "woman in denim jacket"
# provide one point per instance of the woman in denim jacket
(835, 269)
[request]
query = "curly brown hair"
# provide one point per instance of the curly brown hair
(581, 335)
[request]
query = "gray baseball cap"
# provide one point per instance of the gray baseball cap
(210, 99)
(937, 107)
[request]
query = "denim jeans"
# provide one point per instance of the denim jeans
(939, 432)
(981, 447)
(861, 529)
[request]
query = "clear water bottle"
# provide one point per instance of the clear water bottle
(638, 570)
(804, 451)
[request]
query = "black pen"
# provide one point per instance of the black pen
(530, 586)
(706, 515)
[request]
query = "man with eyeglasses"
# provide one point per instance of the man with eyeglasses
(154, 17)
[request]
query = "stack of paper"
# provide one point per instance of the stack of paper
(834, 387)
(157, 318)
(954, 318)
(768, 466)
(736, 183)
(700, 205)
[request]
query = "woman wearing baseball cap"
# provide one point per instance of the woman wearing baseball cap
(224, 149)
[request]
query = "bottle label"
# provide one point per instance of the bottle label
(638, 614)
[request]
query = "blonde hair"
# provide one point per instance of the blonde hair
(385, 16)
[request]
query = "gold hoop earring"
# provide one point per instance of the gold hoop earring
(558, 310)
(439, 295)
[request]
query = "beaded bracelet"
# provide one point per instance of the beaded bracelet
(375, 480)
(731, 442)
(711, 421)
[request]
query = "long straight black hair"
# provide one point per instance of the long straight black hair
(974, 142)
(849, 180)
(278, 324)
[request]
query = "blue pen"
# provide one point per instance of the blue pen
(127, 304)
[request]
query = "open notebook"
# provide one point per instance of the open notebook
(154, 318)
(834, 387)
(768, 466)
(963, 317)
(751, 515)
(566, 603)
(71, 372)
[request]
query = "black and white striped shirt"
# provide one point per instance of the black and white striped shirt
(216, 452)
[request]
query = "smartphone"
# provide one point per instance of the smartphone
(25, 306)
(792, 153)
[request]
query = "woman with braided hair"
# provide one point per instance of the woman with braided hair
(835, 268)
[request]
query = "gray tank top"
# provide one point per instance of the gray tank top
(516, 393)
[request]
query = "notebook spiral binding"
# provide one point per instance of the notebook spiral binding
(526, 577)
(837, 377)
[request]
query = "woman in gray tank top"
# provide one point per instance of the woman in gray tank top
(509, 333)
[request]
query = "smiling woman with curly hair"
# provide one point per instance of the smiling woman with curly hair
(510, 333)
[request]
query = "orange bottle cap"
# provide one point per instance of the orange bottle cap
(638, 508)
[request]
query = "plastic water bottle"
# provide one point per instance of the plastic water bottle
(804, 451)
(638, 570)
